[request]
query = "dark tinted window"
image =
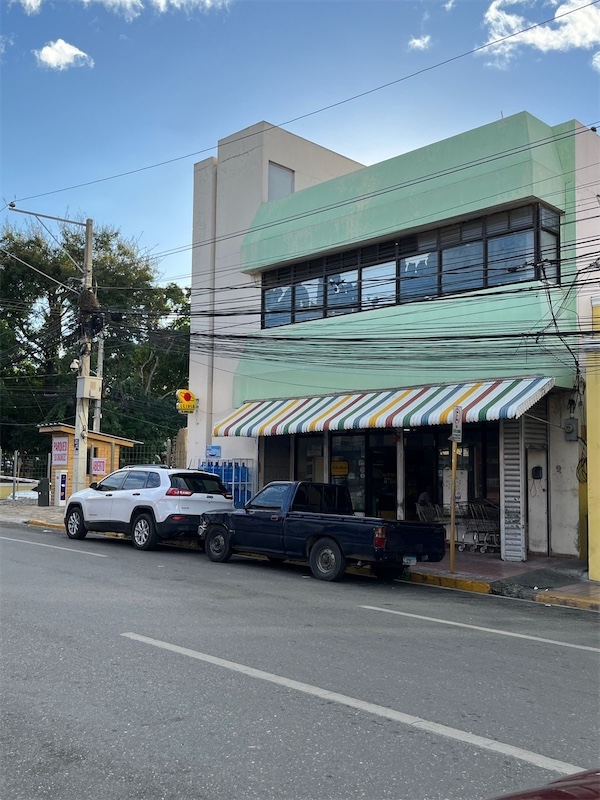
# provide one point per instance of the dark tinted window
(203, 484)
(153, 480)
(336, 500)
(272, 496)
(112, 482)
(135, 480)
(322, 499)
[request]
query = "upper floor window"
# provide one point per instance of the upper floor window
(509, 246)
(281, 181)
(378, 286)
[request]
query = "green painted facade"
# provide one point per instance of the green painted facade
(440, 341)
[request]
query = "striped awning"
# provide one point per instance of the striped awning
(394, 408)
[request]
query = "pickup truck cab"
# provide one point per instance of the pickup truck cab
(315, 522)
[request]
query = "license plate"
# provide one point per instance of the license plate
(409, 561)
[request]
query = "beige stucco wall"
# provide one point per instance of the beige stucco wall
(227, 193)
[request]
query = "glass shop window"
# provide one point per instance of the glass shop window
(309, 458)
(348, 466)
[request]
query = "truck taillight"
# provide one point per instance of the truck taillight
(379, 537)
(179, 492)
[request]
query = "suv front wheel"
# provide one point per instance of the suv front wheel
(143, 533)
(74, 524)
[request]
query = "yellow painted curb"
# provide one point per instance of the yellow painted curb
(40, 523)
(450, 582)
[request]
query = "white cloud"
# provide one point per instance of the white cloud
(62, 55)
(131, 9)
(449, 5)
(5, 41)
(31, 6)
(580, 29)
(421, 43)
(596, 61)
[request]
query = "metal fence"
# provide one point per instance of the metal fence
(21, 472)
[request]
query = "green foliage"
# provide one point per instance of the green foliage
(145, 352)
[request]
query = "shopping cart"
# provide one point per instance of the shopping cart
(482, 528)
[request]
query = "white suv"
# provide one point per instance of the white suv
(148, 503)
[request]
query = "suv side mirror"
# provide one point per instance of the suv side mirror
(94, 485)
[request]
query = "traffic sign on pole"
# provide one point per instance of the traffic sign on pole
(456, 435)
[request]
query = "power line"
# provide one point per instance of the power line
(328, 107)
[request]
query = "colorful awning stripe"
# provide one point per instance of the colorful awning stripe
(395, 408)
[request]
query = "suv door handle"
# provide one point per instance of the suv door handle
(274, 518)
(108, 494)
(136, 494)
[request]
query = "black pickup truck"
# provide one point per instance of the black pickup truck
(315, 522)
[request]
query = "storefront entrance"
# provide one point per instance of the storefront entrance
(366, 463)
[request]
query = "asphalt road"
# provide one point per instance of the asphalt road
(132, 675)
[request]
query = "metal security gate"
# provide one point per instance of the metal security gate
(512, 519)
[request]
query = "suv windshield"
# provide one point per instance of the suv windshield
(205, 484)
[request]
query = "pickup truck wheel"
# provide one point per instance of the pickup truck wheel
(74, 524)
(327, 562)
(386, 572)
(143, 533)
(217, 544)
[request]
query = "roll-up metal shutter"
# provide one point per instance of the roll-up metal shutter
(535, 426)
(511, 491)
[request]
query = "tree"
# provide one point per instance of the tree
(145, 327)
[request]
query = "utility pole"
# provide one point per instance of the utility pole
(82, 408)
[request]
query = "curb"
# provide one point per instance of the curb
(451, 582)
(42, 524)
(505, 589)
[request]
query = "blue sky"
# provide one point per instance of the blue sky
(93, 88)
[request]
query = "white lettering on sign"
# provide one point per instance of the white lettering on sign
(98, 466)
(60, 451)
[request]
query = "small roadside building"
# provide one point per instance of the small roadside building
(104, 452)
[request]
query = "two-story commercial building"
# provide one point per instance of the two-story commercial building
(341, 312)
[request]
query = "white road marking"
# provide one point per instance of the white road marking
(538, 760)
(54, 547)
(485, 630)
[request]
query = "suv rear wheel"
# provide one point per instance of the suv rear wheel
(143, 533)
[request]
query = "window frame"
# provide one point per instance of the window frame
(534, 216)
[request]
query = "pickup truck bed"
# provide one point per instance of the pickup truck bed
(302, 520)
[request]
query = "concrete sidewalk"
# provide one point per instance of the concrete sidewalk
(553, 581)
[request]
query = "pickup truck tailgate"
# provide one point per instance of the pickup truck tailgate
(424, 540)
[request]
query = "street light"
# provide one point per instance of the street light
(82, 406)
